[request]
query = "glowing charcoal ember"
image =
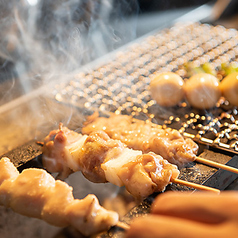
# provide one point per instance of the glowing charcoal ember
(35, 193)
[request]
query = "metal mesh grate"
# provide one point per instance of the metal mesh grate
(121, 84)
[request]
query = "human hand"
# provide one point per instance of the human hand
(189, 215)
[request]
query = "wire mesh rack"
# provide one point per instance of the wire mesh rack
(121, 84)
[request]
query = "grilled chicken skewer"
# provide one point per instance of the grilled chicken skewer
(147, 136)
(102, 159)
(35, 193)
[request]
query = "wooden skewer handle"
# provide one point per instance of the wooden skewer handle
(216, 165)
(182, 182)
(123, 225)
(195, 186)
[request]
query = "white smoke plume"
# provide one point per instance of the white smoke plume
(44, 40)
(39, 40)
(43, 34)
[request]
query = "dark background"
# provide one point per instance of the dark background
(158, 5)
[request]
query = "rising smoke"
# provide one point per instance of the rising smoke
(46, 36)
(41, 40)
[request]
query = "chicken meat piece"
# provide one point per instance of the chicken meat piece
(145, 136)
(97, 149)
(58, 150)
(147, 174)
(89, 215)
(65, 151)
(35, 193)
(102, 159)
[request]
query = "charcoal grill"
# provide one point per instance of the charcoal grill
(120, 84)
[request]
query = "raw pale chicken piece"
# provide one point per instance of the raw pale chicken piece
(58, 198)
(29, 192)
(89, 214)
(35, 193)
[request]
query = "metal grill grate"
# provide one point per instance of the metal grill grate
(121, 84)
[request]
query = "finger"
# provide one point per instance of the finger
(201, 206)
(166, 227)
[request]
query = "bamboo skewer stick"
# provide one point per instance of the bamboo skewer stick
(217, 165)
(194, 185)
(181, 182)
(123, 225)
(40, 143)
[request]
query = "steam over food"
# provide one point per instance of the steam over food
(229, 88)
(35, 193)
(167, 89)
(202, 90)
(145, 136)
(102, 159)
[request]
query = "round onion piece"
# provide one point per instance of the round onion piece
(202, 91)
(229, 88)
(167, 89)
